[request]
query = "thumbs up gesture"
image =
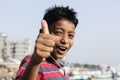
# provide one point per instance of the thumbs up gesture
(44, 44)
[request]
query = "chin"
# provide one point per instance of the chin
(58, 56)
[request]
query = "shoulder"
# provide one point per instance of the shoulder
(26, 60)
(22, 67)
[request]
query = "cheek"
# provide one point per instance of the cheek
(57, 39)
(71, 43)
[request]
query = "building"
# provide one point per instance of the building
(13, 49)
(3, 46)
(19, 49)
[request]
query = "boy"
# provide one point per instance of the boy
(56, 37)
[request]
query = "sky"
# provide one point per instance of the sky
(97, 39)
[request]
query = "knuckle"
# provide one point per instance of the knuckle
(51, 49)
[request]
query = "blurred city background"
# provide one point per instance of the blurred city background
(12, 53)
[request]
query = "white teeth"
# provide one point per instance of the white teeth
(62, 47)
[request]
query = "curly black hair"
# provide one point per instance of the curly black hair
(57, 13)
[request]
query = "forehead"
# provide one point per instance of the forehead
(63, 24)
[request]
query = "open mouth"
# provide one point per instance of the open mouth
(62, 49)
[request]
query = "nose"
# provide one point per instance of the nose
(64, 39)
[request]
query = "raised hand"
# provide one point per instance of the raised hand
(44, 44)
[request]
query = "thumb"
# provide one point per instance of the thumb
(45, 29)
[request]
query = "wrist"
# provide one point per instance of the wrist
(36, 59)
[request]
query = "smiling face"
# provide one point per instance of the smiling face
(64, 32)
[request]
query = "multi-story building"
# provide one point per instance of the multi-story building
(19, 49)
(13, 49)
(3, 46)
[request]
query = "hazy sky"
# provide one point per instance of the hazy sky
(97, 39)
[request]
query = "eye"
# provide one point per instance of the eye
(58, 33)
(71, 36)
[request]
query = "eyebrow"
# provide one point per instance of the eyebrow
(62, 29)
